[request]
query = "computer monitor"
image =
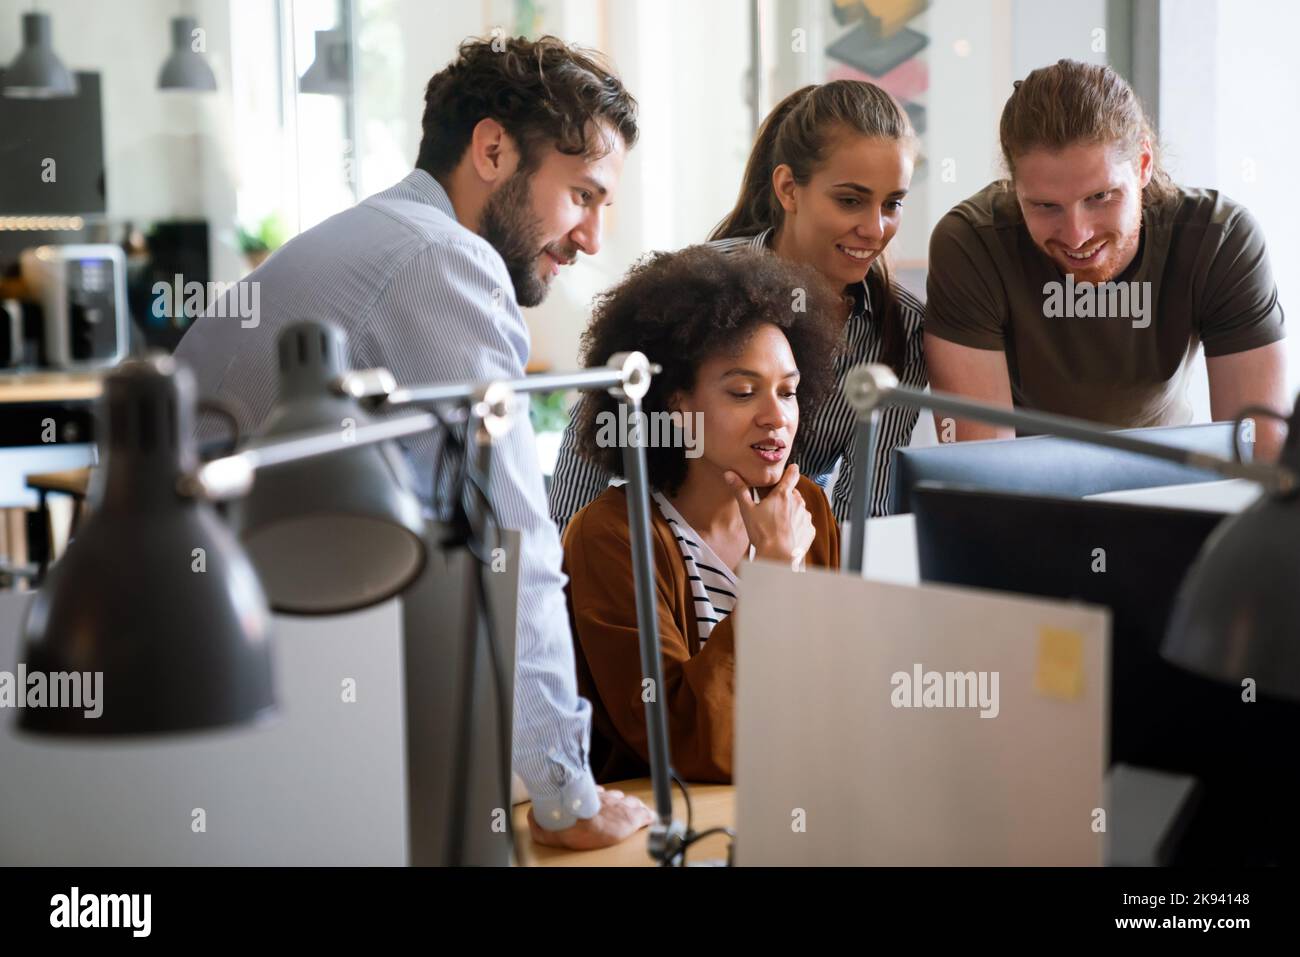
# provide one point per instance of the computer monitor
(1056, 466)
(1132, 559)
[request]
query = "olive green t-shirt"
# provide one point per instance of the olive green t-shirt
(1116, 353)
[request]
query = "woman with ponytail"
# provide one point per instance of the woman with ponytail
(824, 186)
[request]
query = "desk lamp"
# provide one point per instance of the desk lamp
(130, 614)
(1238, 609)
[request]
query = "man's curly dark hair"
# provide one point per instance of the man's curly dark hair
(540, 91)
(684, 308)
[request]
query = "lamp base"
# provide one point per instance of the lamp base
(667, 843)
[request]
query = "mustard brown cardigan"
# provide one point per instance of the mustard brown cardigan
(699, 683)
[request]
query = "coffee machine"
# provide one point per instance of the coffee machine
(73, 312)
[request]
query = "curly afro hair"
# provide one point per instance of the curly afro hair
(684, 308)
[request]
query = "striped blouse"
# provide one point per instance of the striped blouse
(577, 481)
(714, 586)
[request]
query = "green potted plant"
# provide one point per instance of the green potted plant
(257, 244)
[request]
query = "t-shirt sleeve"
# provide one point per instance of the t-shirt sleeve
(1239, 306)
(964, 299)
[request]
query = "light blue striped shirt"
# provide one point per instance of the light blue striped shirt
(431, 301)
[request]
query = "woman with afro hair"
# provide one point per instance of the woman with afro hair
(747, 343)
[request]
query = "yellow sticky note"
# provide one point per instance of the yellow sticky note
(1060, 663)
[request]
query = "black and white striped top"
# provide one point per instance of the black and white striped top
(714, 587)
(577, 481)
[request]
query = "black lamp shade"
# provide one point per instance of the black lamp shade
(36, 72)
(185, 69)
(1237, 614)
(333, 533)
(154, 592)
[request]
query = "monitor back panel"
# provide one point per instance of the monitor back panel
(838, 763)
(1055, 466)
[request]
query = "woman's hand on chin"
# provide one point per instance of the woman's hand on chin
(780, 527)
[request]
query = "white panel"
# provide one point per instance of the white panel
(321, 784)
(817, 731)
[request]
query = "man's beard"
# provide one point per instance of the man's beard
(510, 226)
(1120, 252)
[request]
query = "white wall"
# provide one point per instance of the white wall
(1258, 134)
(1229, 89)
(970, 77)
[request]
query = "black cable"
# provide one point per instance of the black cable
(455, 455)
(686, 794)
(459, 824)
(503, 742)
(226, 411)
(458, 521)
(498, 672)
(692, 837)
(731, 845)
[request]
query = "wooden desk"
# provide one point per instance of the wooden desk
(28, 387)
(69, 481)
(715, 806)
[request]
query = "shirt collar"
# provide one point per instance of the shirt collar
(858, 292)
(861, 297)
(429, 190)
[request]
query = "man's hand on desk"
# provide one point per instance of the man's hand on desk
(618, 819)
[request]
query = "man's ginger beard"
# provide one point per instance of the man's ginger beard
(1121, 251)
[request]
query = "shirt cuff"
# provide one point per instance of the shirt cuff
(575, 800)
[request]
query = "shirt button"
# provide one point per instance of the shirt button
(577, 804)
(553, 752)
(556, 815)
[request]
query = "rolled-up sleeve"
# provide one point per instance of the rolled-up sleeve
(449, 314)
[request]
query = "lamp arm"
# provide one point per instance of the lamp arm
(231, 476)
(622, 369)
(869, 387)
